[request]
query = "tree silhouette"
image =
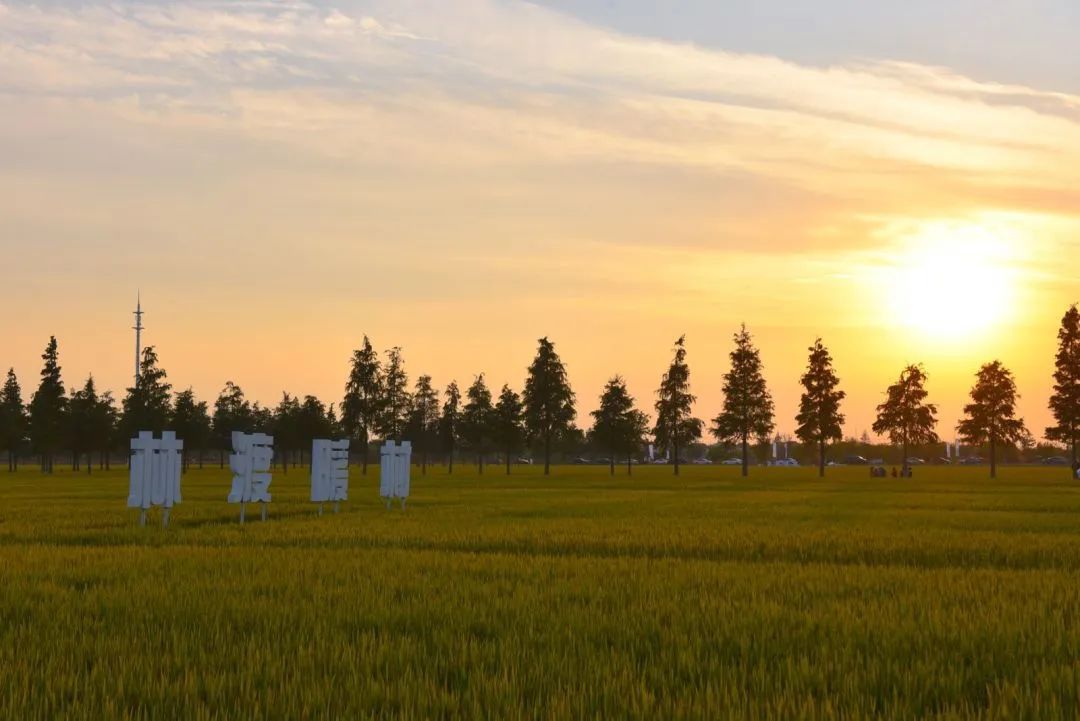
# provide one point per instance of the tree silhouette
(394, 410)
(423, 425)
(549, 401)
(748, 407)
(362, 404)
(148, 404)
(675, 427)
(819, 418)
(14, 422)
(476, 419)
(1065, 400)
(106, 424)
(47, 408)
(232, 412)
(617, 425)
(449, 423)
(191, 421)
(82, 417)
(312, 421)
(905, 416)
(287, 428)
(991, 415)
(508, 424)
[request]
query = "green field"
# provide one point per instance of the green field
(570, 597)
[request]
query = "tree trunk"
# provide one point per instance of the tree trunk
(745, 457)
(993, 456)
(629, 465)
(221, 458)
(547, 454)
(89, 463)
(450, 460)
(508, 461)
(364, 440)
(612, 464)
(675, 453)
(903, 461)
(480, 461)
(821, 460)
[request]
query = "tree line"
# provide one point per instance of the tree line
(379, 403)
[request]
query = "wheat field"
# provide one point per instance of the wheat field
(575, 596)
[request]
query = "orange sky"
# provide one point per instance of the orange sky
(281, 180)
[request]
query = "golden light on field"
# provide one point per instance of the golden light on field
(952, 282)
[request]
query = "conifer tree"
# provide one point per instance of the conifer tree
(362, 404)
(14, 422)
(548, 399)
(449, 423)
(191, 421)
(423, 426)
(748, 407)
(476, 419)
(905, 416)
(675, 427)
(312, 421)
(286, 428)
(232, 412)
(820, 420)
(105, 424)
(91, 422)
(47, 408)
(1065, 400)
(394, 410)
(991, 415)
(508, 424)
(148, 404)
(618, 427)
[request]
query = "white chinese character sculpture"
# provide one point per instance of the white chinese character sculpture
(250, 464)
(394, 476)
(154, 477)
(329, 472)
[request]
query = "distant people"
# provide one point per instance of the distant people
(894, 474)
(1076, 470)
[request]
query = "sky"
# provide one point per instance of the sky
(278, 179)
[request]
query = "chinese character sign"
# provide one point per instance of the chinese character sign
(250, 464)
(394, 472)
(154, 476)
(329, 470)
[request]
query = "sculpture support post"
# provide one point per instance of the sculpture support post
(165, 518)
(142, 517)
(263, 504)
(241, 513)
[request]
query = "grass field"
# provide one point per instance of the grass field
(570, 597)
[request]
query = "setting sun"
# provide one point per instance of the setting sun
(952, 281)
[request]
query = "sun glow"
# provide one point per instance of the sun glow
(952, 281)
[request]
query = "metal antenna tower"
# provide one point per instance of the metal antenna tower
(138, 328)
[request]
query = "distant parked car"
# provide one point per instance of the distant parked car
(603, 461)
(972, 461)
(660, 461)
(877, 461)
(731, 462)
(786, 462)
(1056, 461)
(855, 461)
(942, 461)
(913, 461)
(702, 462)
(524, 461)
(579, 461)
